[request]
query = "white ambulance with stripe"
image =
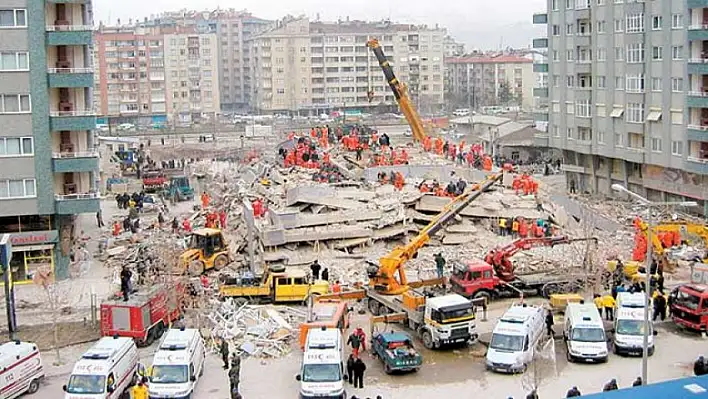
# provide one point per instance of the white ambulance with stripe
(21, 369)
(105, 371)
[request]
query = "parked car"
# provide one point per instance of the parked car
(396, 351)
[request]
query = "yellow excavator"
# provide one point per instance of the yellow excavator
(400, 92)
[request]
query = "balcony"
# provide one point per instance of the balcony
(540, 43)
(70, 77)
(697, 99)
(696, 165)
(698, 66)
(543, 68)
(697, 132)
(72, 120)
(69, 162)
(698, 32)
(540, 139)
(540, 116)
(73, 204)
(540, 92)
(540, 18)
(633, 154)
(697, 3)
(69, 35)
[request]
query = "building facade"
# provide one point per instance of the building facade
(48, 163)
(192, 72)
(624, 107)
(130, 78)
(305, 66)
(480, 81)
(453, 48)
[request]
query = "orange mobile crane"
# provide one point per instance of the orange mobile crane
(399, 91)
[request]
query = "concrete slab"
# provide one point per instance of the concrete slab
(280, 237)
(580, 211)
(462, 228)
(291, 220)
(354, 242)
(439, 172)
(430, 203)
(457, 239)
(393, 231)
(319, 195)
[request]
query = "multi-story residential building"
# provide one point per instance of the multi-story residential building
(48, 165)
(452, 48)
(130, 79)
(478, 81)
(310, 66)
(192, 71)
(620, 99)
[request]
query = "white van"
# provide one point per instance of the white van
(322, 373)
(584, 333)
(177, 364)
(514, 338)
(461, 112)
(105, 371)
(631, 300)
(21, 369)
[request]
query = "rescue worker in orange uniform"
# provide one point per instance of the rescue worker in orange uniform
(399, 181)
(404, 156)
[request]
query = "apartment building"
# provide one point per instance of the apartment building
(192, 72)
(311, 66)
(130, 79)
(620, 99)
(48, 165)
(490, 80)
(452, 48)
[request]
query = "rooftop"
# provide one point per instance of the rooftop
(502, 59)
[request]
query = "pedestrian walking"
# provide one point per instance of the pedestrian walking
(659, 307)
(325, 274)
(359, 369)
(597, 300)
(315, 268)
(355, 341)
(440, 264)
(350, 368)
(608, 302)
(549, 323)
(637, 382)
(573, 392)
(125, 276)
(224, 351)
(235, 376)
(99, 219)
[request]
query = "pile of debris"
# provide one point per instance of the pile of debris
(255, 330)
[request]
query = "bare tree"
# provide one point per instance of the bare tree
(44, 277)
(542, 367)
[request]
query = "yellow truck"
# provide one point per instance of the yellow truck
(288, 285)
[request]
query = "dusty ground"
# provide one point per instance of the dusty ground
(68, 333)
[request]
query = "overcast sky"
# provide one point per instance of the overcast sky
(478, 23)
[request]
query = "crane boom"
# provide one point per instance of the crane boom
(384, 280)
(399, 92)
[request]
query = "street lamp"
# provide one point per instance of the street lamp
(647, 270)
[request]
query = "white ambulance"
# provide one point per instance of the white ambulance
(177, 364)
(322, 374)
(105, 371)
(21, 369)
(514, 338)
(584, 333)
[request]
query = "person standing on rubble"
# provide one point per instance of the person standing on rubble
(160, 219)
(325, 274)
(539, 203)
(224, 352)
(440, 264)
(99, 219)
(222, 219)
(315, 268)
(175, 226)
(125, 276)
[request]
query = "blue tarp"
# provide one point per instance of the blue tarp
(683, 388)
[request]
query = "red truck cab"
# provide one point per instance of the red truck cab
(475, 279)
(689, 306)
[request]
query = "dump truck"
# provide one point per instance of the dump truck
(277, 285)
(179, 189)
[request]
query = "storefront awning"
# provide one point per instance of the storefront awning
(26, 248)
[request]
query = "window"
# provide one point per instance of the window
(677, 85)
(582, 4)
(655, 84)
(635, 112)
(677, 117)
(16, 18)
(556, 131)
(555, 55)
(569, 55)
(619, 142)
(601, 82)
(601, 54)
(618, 25)
(569, 133)
(568, 4)
(15, 103)
(14, 61)
(601, 26)
(635, 23)
(656, 144)
(570, 81)
(569, 29)
(25, 188)
(635, 83)
(619, 83)
(677, 148)
(16, 146)
(556, 107)
(554, 5)
(676, 52)
(582, 109)
(635, 53)
(556, 81)
(600, 2)
(619, 54)
(656, 22)
(601, 136)
(677, 21)
(584, 134)
(555, 30)
(569, 108)
(656, 53)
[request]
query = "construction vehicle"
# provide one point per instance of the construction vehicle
(207, 249)
(400, 92)
(689, 306)
(494, 276)
(438, 320)
(179, 189)
(154, 181)
(283, 285)
(681, 231)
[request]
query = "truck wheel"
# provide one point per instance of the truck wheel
(482, 294)
(387, 369)
(33, 387)
(374, 307)
(384, 310)
(428, 340)
(549, 289)
(220, 262)
(196, 268)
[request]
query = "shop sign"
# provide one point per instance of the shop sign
(33, 237)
